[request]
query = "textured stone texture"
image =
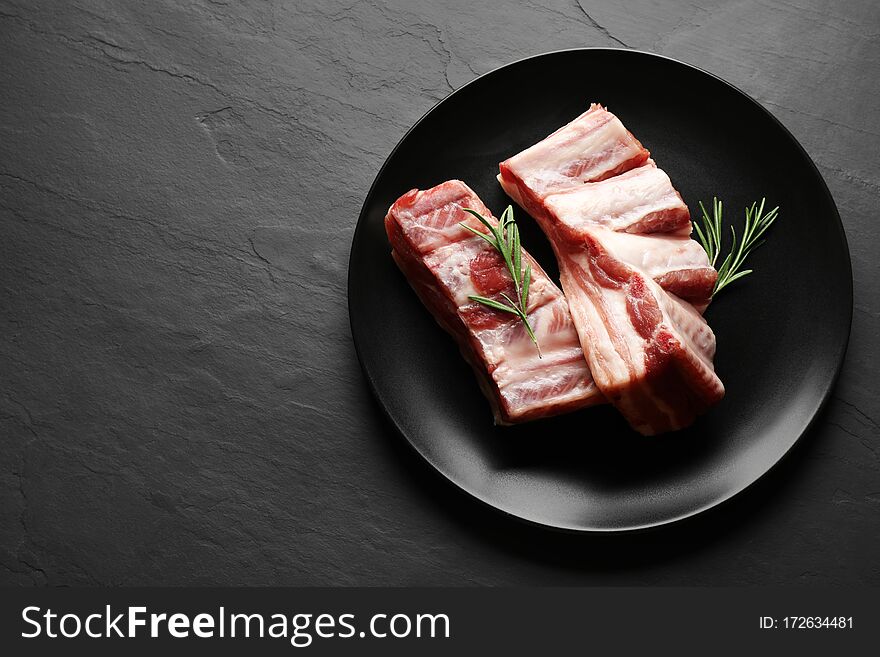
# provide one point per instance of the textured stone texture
(180, 400)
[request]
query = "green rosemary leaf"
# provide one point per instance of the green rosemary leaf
(494, 231)
(740, 274)
(497, 305)
(527, 281)
(701, 238)
(532, 336)
(478, 233)
(517, 256)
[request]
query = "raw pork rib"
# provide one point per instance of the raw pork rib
(445, 263)
(634, 280)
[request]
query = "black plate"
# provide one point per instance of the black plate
(782, 332)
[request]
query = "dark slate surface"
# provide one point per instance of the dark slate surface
(180, 398)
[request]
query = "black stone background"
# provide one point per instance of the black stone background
(180, 401)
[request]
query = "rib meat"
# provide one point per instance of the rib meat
(445, 264)
(635, 282)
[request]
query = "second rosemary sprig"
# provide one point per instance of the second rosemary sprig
(709, 235)
(505, 239)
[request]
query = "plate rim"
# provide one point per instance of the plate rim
(681, 517)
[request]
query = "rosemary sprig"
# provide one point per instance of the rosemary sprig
(505, 239)
(709, 235)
